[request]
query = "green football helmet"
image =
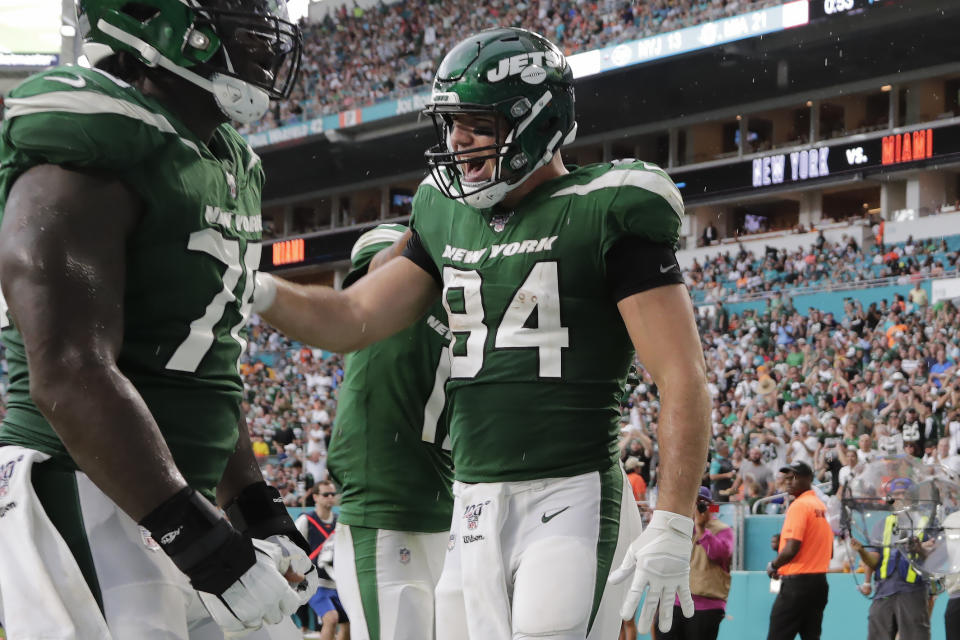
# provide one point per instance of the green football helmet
(524, 81)
(244, 52)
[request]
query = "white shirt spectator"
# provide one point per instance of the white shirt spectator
(316, 440)
(316, 466)
(802, 450)
(320, 416)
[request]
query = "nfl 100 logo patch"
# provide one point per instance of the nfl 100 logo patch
(6, 472)
(472, 514)
(404, 555)
(499, 221)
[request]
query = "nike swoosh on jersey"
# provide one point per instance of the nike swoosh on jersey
(76, 81)
(667, 268)
(547, 518)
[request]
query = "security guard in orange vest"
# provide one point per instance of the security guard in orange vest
(900, 602)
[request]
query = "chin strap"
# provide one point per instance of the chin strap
(238, 100)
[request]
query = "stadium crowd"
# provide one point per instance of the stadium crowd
(355, 57)
(732, 276)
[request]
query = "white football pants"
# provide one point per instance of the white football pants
(531, 559)
(45, 594)
(386, 581)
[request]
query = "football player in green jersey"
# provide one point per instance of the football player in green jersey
(553, 279)
(389, 456)
(130, 237)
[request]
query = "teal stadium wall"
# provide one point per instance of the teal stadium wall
(845, 618)
(832, 301)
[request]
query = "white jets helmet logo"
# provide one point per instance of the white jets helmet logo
(515, 65)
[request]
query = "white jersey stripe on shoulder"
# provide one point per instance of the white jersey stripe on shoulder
(254, 158)
(648, 180)
(430, 181)
(89, 103)
(380, 235)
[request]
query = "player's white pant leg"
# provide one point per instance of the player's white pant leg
(144, 594)
(563, 531)
(552, 540)
(38, 572)
(389, 579)
(607, 621)
(483, 572)
(450, 610)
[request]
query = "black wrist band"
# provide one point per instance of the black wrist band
(200, 541)
(258, 512)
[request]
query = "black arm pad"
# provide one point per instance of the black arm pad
(200, 541)
(258, 512)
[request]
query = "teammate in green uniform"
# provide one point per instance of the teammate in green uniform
(552, 280)
(389, 456)
(130, 237)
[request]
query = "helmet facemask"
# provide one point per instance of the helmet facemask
(260, 47)
(513, 163)
(244, 52)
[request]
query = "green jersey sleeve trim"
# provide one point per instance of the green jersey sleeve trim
(90, 103)
(651, 181)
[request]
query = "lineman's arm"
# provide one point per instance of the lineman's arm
(375, 307)
(63, 246)
(661, 325)
(242, 469)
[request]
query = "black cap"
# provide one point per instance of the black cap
(799, 469)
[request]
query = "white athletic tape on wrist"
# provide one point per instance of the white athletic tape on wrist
(264, 293)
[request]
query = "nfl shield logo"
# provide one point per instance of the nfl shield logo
(499, 221)
(148, 540)
(404, 555)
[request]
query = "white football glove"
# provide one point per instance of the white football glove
(260, 595)
(659, 559)
(294, 558)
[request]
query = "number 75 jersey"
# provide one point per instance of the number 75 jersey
(540, 353)
(190, 259)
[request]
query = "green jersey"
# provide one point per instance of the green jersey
(389, 452)
(540, 353)
(190, 260)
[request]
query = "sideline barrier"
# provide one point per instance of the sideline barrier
(845, 618)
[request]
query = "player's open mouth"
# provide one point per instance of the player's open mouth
(475, 170)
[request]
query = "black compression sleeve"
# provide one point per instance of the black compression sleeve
(635, 264)
(416, 252)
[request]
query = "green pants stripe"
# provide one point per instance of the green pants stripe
(365, 558)
(611, 494)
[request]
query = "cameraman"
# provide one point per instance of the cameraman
(709, 576)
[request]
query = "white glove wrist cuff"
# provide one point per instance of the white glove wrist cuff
(673, 521)
(265, 292)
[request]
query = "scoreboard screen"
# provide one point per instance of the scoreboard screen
(819, 161)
